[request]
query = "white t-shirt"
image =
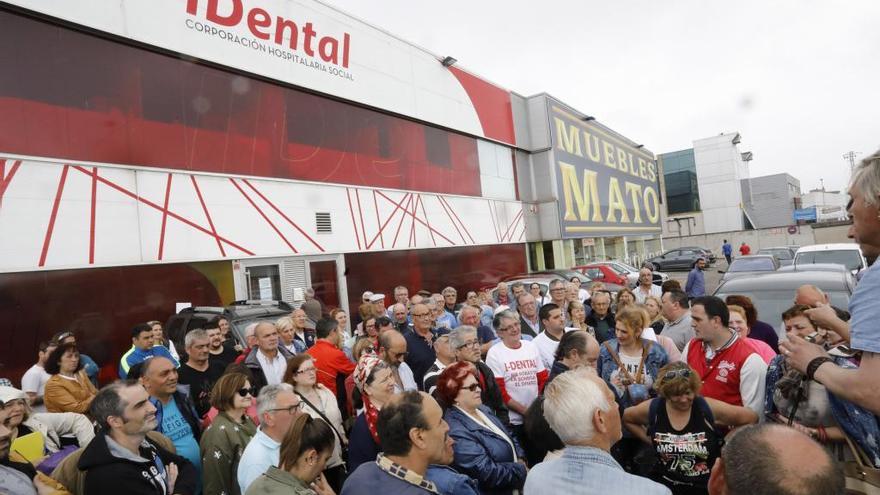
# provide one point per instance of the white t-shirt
(632, 366)
(547, 347)
(519, 369)
(34, 380)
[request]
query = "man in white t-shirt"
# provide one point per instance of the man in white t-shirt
(33, 382)
(518, 368)
(548, 340)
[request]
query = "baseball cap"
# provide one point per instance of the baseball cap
(10, 393)
(366, 295)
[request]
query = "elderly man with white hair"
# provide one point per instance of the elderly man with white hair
(586, 465)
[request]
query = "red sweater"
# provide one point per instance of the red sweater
(330, 362)
(721, 376)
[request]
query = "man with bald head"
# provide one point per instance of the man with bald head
(767, 459)
(268, 361)
(176, 415)
(301, 330)
(392, 350)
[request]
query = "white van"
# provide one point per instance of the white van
(848, 255)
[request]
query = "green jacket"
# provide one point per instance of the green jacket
(222, 445)
(277, 482)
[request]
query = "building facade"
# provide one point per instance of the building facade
(772, 200)
(165, 153)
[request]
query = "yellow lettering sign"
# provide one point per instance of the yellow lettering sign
(585, 198)
(569, 138)
(616, 202)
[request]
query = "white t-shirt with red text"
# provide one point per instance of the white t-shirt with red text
(519, 369)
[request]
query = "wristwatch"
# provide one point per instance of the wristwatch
(815, 364)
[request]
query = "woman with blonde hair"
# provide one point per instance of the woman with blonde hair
(653, 306)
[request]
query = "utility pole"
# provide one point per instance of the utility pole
(850, 157)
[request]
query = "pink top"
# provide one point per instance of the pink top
(763, 350)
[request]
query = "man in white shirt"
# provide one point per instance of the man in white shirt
(646, 286)
(33, 382)
(277, 406)
(554, 327)
(268, 361)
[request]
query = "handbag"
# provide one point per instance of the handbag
(343, 452)
(635, 390)
(862, 478)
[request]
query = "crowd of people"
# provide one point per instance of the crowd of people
(510, 391)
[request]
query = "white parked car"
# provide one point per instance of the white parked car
(848, 255)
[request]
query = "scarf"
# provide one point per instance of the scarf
(371, 414)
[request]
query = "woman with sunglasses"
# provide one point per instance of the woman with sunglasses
(320, 403)
(484, 449)
(224, 441)
(681, 427)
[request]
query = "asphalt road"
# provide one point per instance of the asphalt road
(711, 275)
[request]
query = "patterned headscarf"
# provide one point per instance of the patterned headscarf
(364, 368)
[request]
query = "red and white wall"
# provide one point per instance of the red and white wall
(71, 215)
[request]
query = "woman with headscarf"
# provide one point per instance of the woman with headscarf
(375, 386)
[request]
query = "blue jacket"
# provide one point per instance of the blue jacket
(137, 355)
(657, 358)
(696, 283)
(450, 481)
(485, 456)
(361, 446)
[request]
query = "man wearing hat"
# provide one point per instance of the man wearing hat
(378, 302)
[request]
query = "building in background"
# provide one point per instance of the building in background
(829, 205)
(703, 187)
(591, 193)
(771, 200)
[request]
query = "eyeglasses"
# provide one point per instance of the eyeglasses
(306, 370)
(398, 355)
(684, 373)
(509, 327)
(473, 387)
(244, 392)
(473, 344)
(419, 315)
(289, 409)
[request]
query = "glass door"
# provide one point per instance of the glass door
(263, 282)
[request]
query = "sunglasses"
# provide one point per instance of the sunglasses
(473, 387)
(244, 392)
(683, 373)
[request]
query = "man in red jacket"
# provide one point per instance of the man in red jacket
(729, 367)
(332, 364)
(745, 249)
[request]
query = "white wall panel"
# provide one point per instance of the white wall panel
(271, 218)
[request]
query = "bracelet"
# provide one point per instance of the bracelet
(822, 434)
(815, 364)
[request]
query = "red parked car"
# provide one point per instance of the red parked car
(602, 273)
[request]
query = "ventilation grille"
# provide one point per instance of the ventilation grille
(293, 276)
(322, 222)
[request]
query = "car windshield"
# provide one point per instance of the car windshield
(847, 257)
(771, 303)
(752, 265)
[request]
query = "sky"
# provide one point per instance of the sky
(799, 80)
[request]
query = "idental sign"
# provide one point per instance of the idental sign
(605, 185)
(281, 31)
